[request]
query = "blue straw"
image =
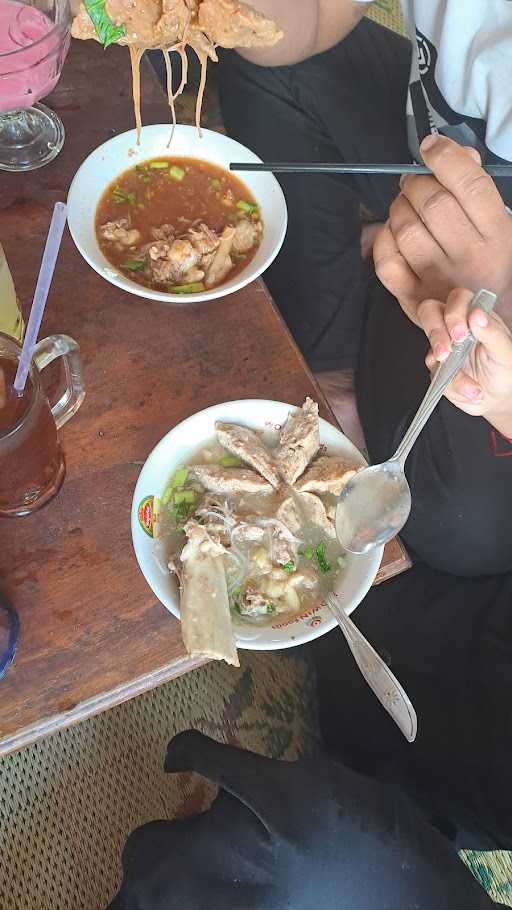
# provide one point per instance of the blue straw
(44, 280)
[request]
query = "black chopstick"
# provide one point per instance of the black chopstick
(288, 167)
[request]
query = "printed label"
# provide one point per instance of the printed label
(146, 515)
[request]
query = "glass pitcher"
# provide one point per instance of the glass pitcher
(32, 466)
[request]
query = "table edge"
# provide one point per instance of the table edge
(26, 736)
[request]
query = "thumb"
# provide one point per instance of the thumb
(493, 334)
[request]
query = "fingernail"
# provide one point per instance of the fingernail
(459, 332)
(429, 141)
(473, 393)
(439, 351)
(481, 319)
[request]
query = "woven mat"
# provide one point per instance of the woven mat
(387, 12)
(68, 803)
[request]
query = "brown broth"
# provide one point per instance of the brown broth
(155, 199)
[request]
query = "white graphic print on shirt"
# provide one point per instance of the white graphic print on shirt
(461, 73)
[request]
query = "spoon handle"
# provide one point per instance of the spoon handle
(377, 674)
(444, 374)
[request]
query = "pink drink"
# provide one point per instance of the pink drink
(32, 49)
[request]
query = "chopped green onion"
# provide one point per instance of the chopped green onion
(160, 165)
(167, 495)
(289, 567)
(176, 173)
(119, 196)
(271, 608)
(180, 513)
(308, 553)
(195, 288)
(321, 559)
(179, 477)
(184, 496)
(133, 265)
(107, 32)
(246, 207)
(214, 183)
(229, 461)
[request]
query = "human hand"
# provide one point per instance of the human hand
(447, 230)
(484, 387)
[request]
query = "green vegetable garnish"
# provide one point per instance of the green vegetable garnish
(160, 166)
(176, 173)
(236, 608)
(270, 608)
(321, 559)
(214, 183)
(178, 478)
(308, 553)
(184, 496)
(246, 207)
(176, 482)
(195, 288)
(230, 462)
(180, 513)
(119, 196)
(107, 32)
(142, 173)
(289, 567)
(133, 265)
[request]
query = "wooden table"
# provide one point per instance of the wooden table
(92, 633)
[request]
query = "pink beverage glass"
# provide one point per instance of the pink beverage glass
(34, 41)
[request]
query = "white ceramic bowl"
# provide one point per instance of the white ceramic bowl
(114, 157)
(175, 449)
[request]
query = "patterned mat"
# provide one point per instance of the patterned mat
(68, 803)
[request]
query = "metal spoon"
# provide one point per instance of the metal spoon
(377, 673)
(375, 504)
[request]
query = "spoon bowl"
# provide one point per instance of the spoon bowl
(373, 507)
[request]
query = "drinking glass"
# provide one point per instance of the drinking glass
(32, 466)
(34, 41)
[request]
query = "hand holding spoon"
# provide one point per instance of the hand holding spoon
(375, 504)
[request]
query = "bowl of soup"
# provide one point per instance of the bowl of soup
(211, 480)
(169, 221)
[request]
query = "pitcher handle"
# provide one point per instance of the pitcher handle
(45, 352)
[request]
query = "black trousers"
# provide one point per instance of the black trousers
(445, 627)
(347, 104)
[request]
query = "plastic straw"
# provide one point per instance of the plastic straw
(44, 280)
